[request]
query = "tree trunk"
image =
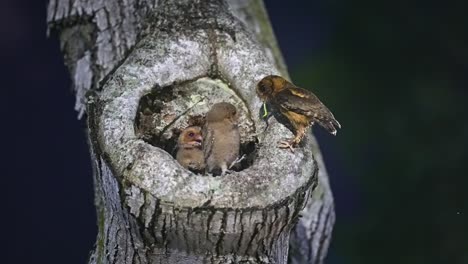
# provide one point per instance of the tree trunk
(142, 70)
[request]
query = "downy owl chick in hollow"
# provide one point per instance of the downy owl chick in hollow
(189, 149)
(221, 143)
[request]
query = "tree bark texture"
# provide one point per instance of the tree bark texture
(186, 56)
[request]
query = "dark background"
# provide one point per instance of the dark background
(394, 74)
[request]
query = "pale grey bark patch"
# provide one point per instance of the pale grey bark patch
(311, 237)
(83, 81)
(150, 210)
(253, 15)
(104, 29)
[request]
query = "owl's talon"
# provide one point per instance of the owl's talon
(287, 144)
(226, 172)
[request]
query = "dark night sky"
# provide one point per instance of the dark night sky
(49, 190)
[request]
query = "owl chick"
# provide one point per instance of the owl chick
(221, 138)
(190, 153)
(301, 107)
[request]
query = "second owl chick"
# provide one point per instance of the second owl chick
(221, 138)
(190, 153)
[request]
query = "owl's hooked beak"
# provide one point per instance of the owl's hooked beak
(198, 139)
(196, 142)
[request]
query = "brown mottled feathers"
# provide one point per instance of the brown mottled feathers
(300, 106)
(305, 103)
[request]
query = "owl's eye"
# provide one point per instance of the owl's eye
(261, 88)
(191, 134)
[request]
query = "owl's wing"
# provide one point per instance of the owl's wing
(299, 101)
(306, 103)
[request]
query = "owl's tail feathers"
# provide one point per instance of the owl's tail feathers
(329, 123)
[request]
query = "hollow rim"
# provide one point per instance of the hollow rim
(275, 175)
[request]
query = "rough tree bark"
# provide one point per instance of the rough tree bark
(182, 56)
